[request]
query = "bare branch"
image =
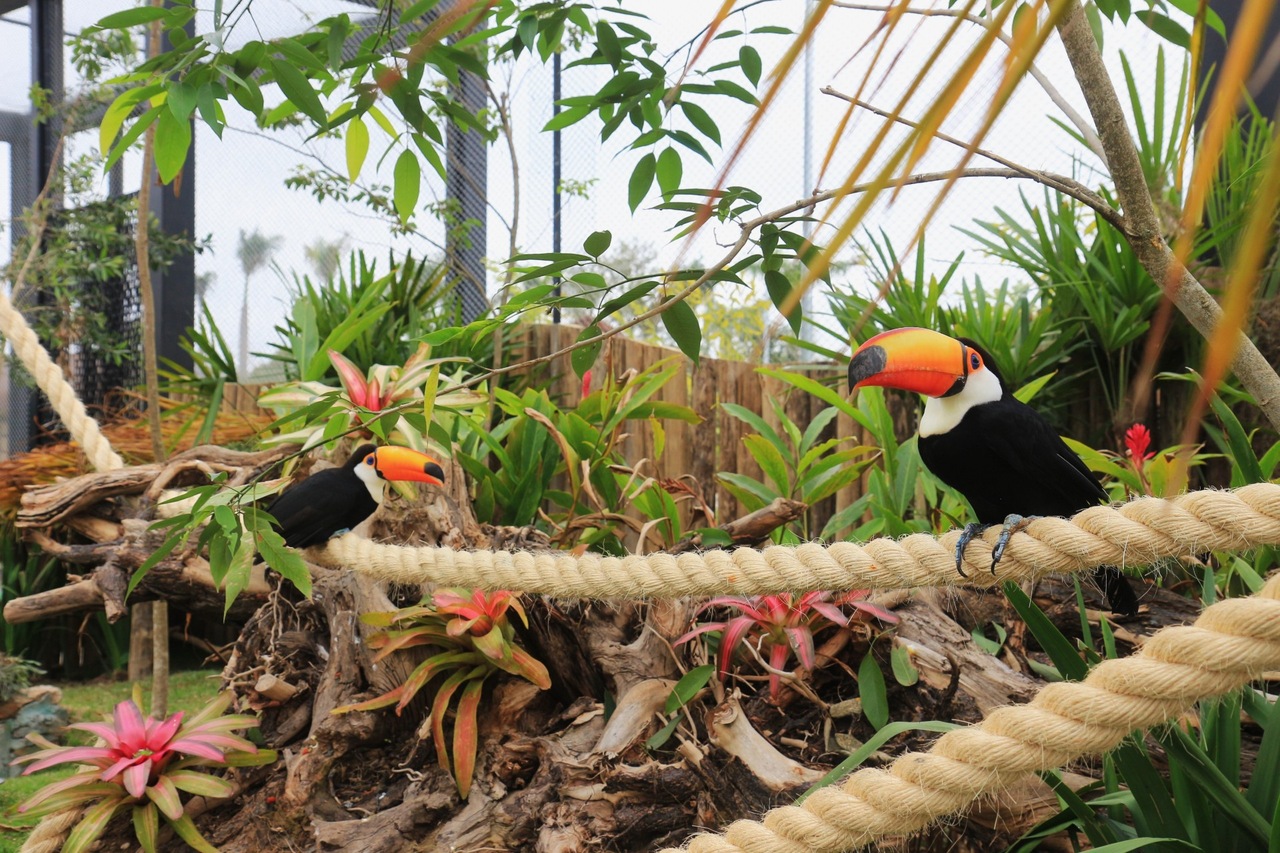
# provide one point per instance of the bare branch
(747, 229)
(1067, 186)
(1086, 130)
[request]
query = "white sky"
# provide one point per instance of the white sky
(240, 177)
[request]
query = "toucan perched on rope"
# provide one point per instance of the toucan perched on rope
(980, 440)
(335, 500)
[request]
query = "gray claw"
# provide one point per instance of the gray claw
(1012, 524)
(971, 530)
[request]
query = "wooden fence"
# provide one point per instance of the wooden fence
(716, 444)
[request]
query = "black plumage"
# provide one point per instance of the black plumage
(1008, 460)
(980, 440)
(326, 503)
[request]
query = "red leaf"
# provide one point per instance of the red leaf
(466, 736)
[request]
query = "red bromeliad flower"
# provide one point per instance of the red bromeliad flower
(472, 640)
(478, 613)
(1137, 439)
(784, 624)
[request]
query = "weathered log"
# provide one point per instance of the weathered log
(754, 528)
(44, 506)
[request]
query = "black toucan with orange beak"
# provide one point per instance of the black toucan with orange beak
(335, 500)
(980, 440)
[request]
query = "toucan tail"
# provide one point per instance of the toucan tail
(1117, 590)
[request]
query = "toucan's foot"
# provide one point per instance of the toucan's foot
(1012, 524)
(971, 530)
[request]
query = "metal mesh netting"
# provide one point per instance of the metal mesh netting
(102, 359)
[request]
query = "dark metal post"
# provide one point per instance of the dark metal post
(467, 158)
(555, 175)
(46, 72)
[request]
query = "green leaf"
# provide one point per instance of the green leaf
(285, 561)
(879, 739)
(131, 136)
(641, 180)
(1056, 646)
(597, 243)
(669, 170)
(408, 183)
(92, 824)
(607, 41)
(146, 826)
(682, 324)
(181, 100)
(132, 17)
(779, 287)
(357, 144)
(688, 687)
(872, 691)
(582, 359)
(187, 831)
(749, 59)
(173, 139)
(617, 302)
(904, 671)
(200, 784)
(1211, 781)
(297, 88)
(771, 462)
(210, 112)
(701, 119)
(1028, 391)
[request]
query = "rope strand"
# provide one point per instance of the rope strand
(1137, 533)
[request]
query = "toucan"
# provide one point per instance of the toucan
(980, 440)
(335, 500)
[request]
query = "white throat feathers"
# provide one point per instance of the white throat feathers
(943, 414)
(368, 475)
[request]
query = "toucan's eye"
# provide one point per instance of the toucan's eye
(975, 361)
(368, 460)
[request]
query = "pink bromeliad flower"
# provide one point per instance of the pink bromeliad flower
(143, 762)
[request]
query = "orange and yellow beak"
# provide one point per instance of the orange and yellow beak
(403, 463)
(912, 359)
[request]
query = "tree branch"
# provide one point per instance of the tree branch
(744, 237)
(1067, 186)
(1142, 225)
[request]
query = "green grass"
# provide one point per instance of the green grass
(91, 701)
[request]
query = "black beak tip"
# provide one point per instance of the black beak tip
(434, 470)
(866, 363)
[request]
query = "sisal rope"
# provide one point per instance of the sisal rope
(1137, 533)
(51, 832)
(84, 429)
(1232, 643)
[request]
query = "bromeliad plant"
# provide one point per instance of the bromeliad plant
(143, 763)
(472, 640)
(784, 624)
(377, 402)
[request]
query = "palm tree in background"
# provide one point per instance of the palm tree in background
(254, 251)
(325, 256)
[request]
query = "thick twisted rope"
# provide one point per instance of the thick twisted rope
(1139, 532)
(84, 429)
(1233, 642)
(52, 830)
